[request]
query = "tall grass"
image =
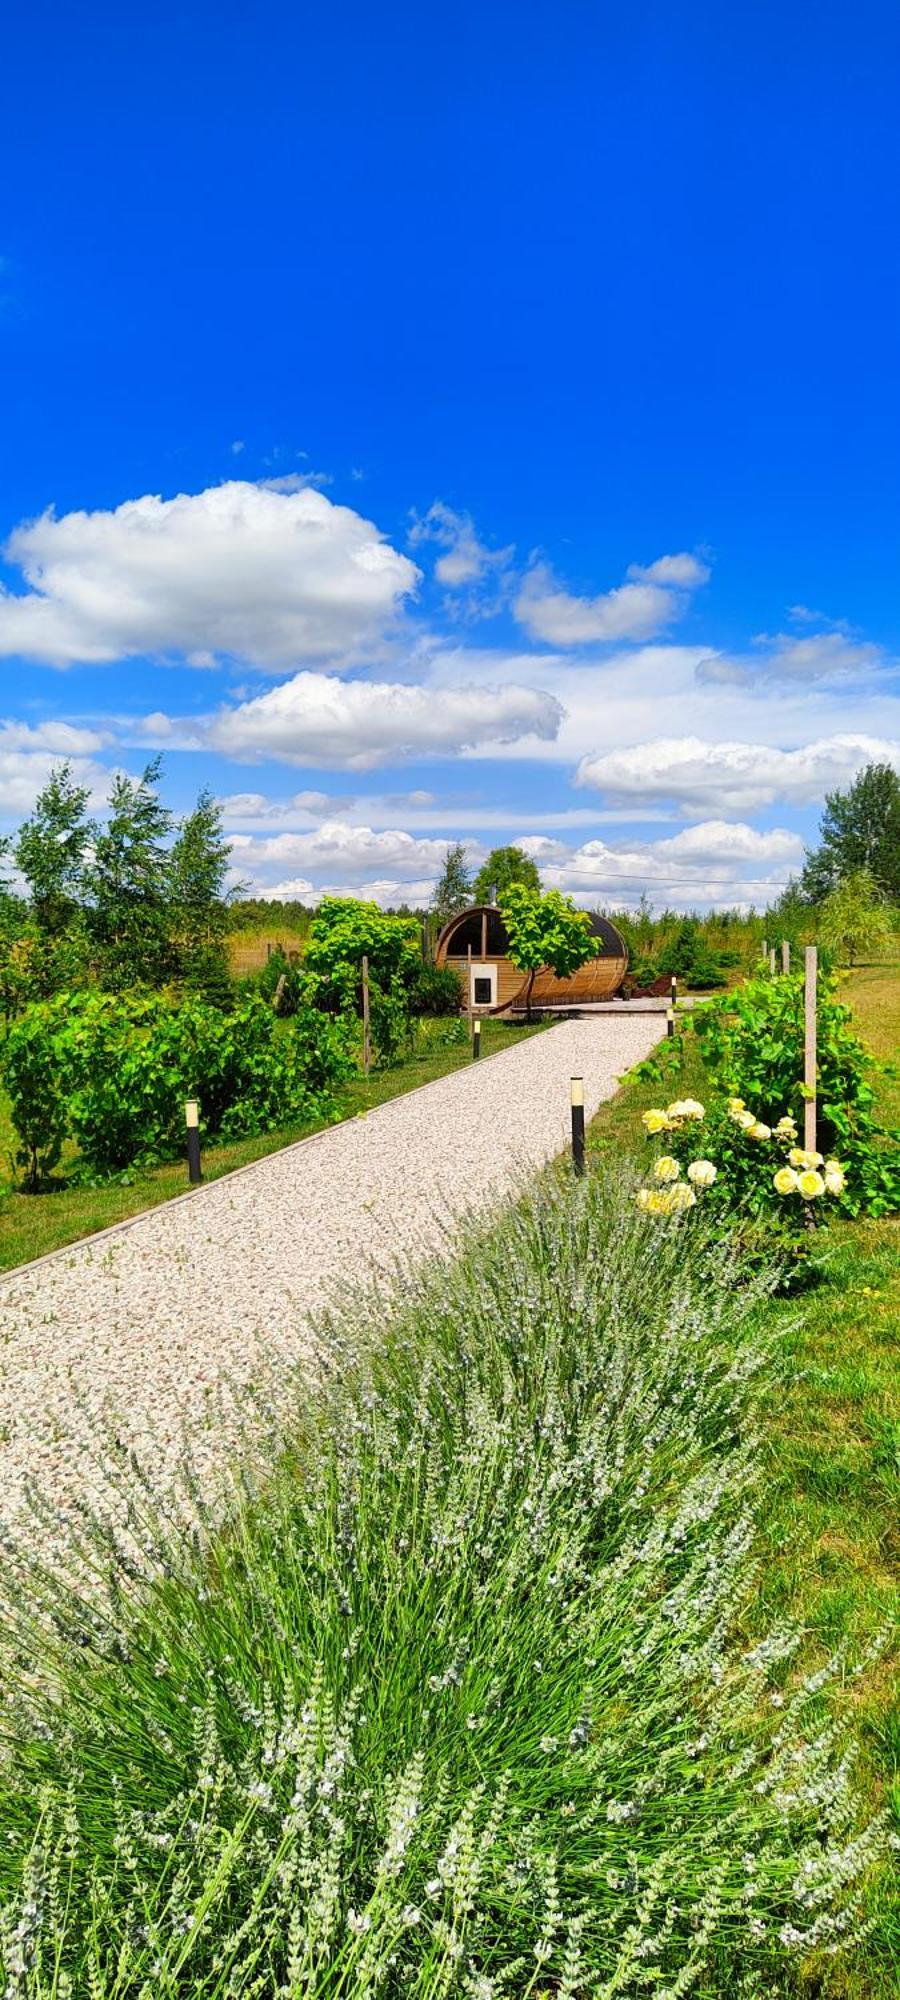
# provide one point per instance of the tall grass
(461, 1702)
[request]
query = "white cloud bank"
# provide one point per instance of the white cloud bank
(355, 725)
(271, 577)
(650, 600)
(700, 776)
(29, 752)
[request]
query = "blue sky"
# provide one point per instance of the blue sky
(482, 426)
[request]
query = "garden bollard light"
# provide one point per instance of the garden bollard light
(674, 991)
(476, 1040)
(192, 1121)
(577, 1096)
(670, 1024)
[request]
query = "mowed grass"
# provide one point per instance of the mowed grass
(831, 1529)
(31, 1225)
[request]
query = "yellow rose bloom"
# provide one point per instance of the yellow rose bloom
(655, 1121)
(810, 1184)
(736, 1104)
(835, 1179)
(686, 1107)
(643, 1198)
(786, 1128)
(702, 1173)
(785, 1181)
(666, 1169)
(744, 1119)
(680, 1197)
(800, 1158)
(758, 1130)
(658, 1203)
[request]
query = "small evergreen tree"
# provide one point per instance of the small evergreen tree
(130, 913)
(545, 932)
(198, 867)
(51, 850)
(860, 831)
(503, 867)
(453, 891)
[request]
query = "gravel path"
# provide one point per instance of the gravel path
(153, 1324)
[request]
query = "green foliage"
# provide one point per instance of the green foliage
(113, 1071)
(545, 931)
(343, 933)
(389, 1021)
(453, 889)
(32, 1075)
(688, 956)
(860, 830)
(435, 990)
(462, 1701)
(130, 910)
(280, 981)
(504, 867)
(752, 1041)
(197, 872)
(853, 922)
(50, 850)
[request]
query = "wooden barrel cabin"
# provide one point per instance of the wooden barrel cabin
(496, 983)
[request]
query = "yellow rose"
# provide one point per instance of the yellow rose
(799, 1157)
(643, 1198)
(758, 1130)
(686, 1107)
(702, 1173)
(655, 1121)
(744, 1119)
(835, 1181)
(680, 1197)
(736, 1104)
(810, 1184)
(786, 1128)
(666, 1169)
(785, 1181)
(658, 1203)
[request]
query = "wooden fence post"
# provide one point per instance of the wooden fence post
(772, 961)
(809, 1048)
(785, 954)
(367, 1045)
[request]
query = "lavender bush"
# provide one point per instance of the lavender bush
(461, 1702)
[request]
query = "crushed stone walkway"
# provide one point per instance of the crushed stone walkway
(153, 1325)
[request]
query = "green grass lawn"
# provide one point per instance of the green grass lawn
(832, 1528)
(30, 1224)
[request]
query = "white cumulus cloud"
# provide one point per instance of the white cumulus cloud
(354, 725)
(651, 599)
(699, 776)
(274, 578)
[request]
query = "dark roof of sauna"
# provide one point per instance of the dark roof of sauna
(465, 930)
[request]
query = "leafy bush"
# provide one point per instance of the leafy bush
(462, 1703)
(435, 990)
(113, 1071)
(752, 1043)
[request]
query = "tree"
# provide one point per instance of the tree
(51, 850)
(503, 867)
(860, 831)
(198, 867)
(545, 931)
(853, 921)
(453, 891)
(130, 914)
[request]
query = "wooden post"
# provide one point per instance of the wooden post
(367, 1045)
(772, 961)
(765, 949)
(785, 954)
(469, 991)
(809, 1048)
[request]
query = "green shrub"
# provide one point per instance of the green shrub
(753, 1042)
(435, 990)
(462, 1702)
(113, 1071)
(688, 956)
